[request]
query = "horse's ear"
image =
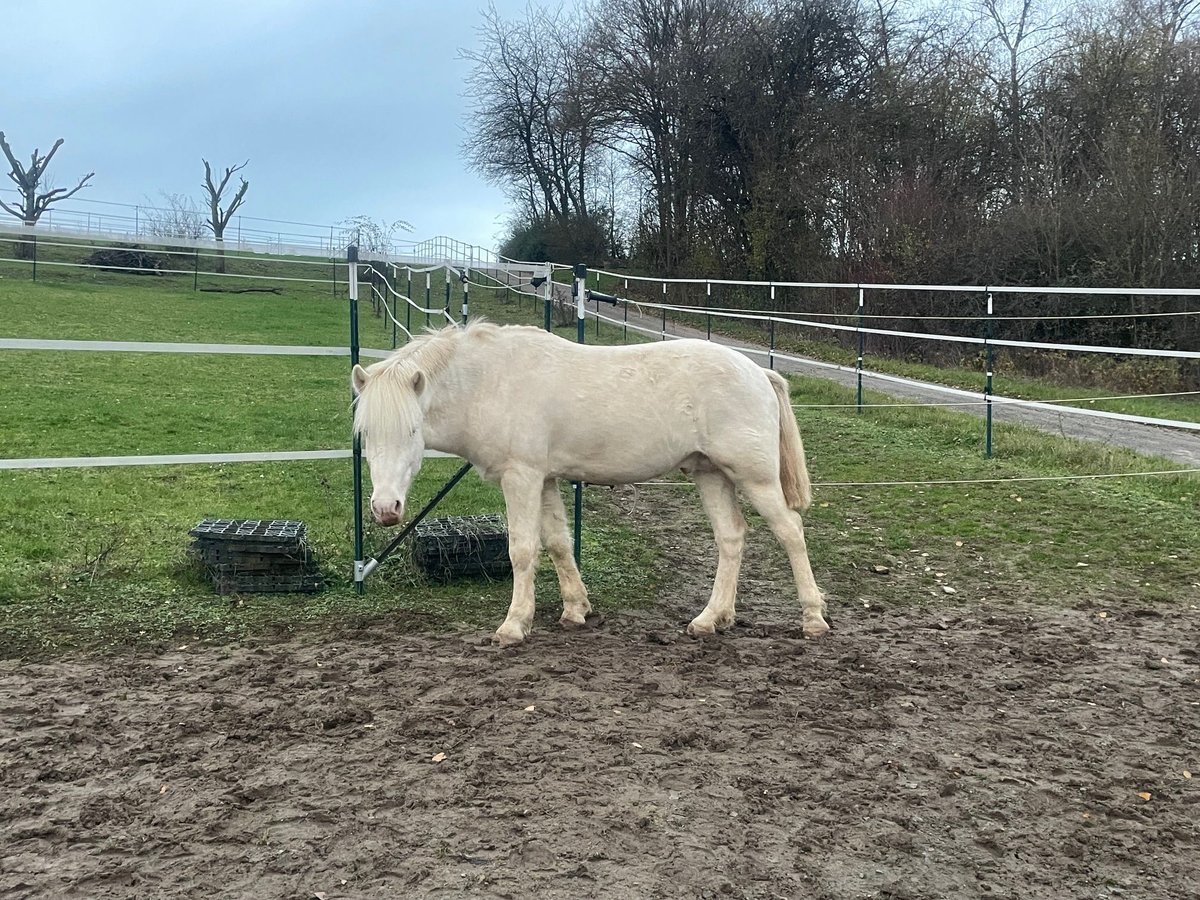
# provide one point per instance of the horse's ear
(418, 382)
(358, 378)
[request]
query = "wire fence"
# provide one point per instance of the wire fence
(459, 263)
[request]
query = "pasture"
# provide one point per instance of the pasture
(1006, 706)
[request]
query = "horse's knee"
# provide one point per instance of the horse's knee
(522, 555)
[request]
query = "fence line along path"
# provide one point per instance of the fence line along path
(1073, 422)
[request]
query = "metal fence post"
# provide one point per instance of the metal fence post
(707, 304)
(428, 297)
(987, 388)
(580, 311)
(663, 337)
(352, 260)
(548, 302)
(408, 305)
(466, 305)
(861, 340)
(771, 333)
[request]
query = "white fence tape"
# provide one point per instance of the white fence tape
(175, 459)
(169, 347)
(908, 382)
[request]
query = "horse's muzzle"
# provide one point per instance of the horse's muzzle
(387, 512)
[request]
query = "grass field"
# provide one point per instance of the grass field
(94, 558)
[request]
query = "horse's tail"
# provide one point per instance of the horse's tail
(793, 468)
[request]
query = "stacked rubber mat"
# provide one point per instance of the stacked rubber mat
(256, 556)
(454, 546)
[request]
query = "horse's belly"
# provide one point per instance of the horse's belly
(617, 462)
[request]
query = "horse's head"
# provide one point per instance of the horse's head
(388, 417)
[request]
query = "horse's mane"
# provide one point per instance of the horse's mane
(387, 404)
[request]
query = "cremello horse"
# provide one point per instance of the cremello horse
(527, 408)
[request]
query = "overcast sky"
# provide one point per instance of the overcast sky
(343, 108)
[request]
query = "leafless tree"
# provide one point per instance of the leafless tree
(372, 235)
(533, 131)
(28, 180)
(176, 216)
(1027, 35)
(218, 217)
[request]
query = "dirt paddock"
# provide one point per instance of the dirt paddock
(912, 753)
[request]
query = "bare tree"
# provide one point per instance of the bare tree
(28, 180)
(372, 235)
(1028, 38)
(218, 217)
(178, 216)
(533, 128)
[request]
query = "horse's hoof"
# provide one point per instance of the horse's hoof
(574, 619)
(509, 635)
(701, 629)
(815, 629)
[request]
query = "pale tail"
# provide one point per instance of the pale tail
(793, 469)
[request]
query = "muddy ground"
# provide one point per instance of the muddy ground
(918, 751)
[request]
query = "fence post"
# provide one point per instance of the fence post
(466, 306)
(33, 238)
(359, 574)
(771, 332)
(395, 308)
(987, 388)
(663, 337)
(580, 312)
(707, 304)
(548, 302)
(446, 309)
(861, 341)
(408, 305)
(428, 297)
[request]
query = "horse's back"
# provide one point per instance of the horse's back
(618, 413)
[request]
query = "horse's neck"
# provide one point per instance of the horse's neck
(451, 392)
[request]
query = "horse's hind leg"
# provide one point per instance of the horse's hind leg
(557, 540)
(522, 499)
(729, 528)
(768, 499)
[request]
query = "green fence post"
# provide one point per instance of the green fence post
(663, 336)
(771, 332)
(580, 294)
(428, 297)
(987, 388)
(359, 575)
(861, 339)
(707, 304)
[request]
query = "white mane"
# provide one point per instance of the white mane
(387, 405)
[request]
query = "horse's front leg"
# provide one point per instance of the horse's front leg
(557, 539)
(523, 500)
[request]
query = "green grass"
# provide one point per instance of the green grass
(95, 558)
(1137, 537)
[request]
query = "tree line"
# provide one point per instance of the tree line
(991, 142)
